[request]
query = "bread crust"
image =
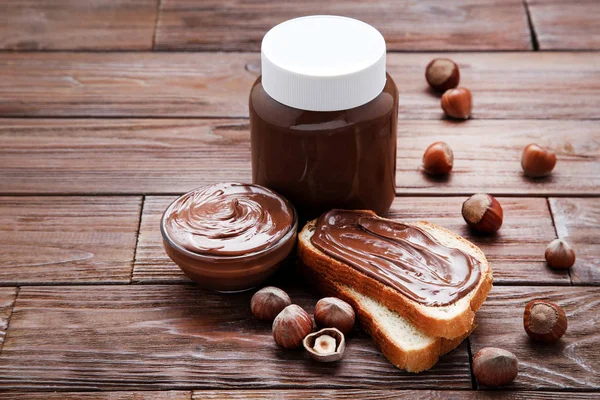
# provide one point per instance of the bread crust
(411, 360)
(454, 327)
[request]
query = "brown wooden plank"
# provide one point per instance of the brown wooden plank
(569, 26)
(172, 156)
(516, 253)
(504, 85)
(77, 25)
(571, 363)
(7, 301)
(67, 239)
(140, 395)
(176, 337)
(362, 394)
(406, 25)
(578, 222)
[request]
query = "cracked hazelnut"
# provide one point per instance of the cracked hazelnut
(291, 326)
(483, 213)
(326, 345)
(537, 161)
(268, 302)
(442, 74)
(544, 321)
(495, 367)
(331, 312)
(559, 254)
(438, 159)
(457, 103)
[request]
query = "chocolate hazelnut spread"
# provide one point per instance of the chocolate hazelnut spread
(228, 219)
(398, 255)
(323, 116)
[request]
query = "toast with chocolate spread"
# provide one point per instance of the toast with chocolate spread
(426, 274)
(399, 340)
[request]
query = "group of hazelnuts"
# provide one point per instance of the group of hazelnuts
(543, 321)
(483, 212)
(293, 326)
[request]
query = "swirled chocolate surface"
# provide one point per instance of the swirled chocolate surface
(401, 256)
(228, 219)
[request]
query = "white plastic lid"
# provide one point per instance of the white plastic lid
(323, 63)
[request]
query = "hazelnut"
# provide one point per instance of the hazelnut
(325, 345)
(457, 103)
(559, 254)
(438, 159)
(268, 302)
(483, 213)
(291, 326)
(544, 321)
(495, 367)
(331, 312)
(442, 74)
(537, 161)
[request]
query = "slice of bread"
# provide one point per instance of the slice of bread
(400, 341)
(450, 321)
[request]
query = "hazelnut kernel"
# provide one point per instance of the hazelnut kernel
(544, 321)
(483, 213)
(324, 344)
(559, 254)
(438, 159)
(537, 161)
(442, 74)
(268, 302)
(457, 103)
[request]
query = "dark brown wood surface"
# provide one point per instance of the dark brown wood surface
(154, 156)
(407, 25)
(77, 24)
(572, 362)
(177, 337)
(522, 85)
(516, 253)
(559, 25)
(577, 221)
(123, 395)
(67, 239)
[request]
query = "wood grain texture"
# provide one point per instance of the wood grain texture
(516, 253)
(504, 85)
(67, 239)
(7, 301)
(578, 222)
(81, 156)
(570, 26)
(361, 394)
(140, 395)
(77, 25)
(175, 337)
(571, 363)
(405, 24)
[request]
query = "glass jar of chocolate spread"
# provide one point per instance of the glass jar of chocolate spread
(323, 116)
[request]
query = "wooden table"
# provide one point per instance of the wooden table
(110, 108)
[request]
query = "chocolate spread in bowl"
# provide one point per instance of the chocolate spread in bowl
(398, 255)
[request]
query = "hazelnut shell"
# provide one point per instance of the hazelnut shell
(291, 326)
(340, 341)
(331, 312)
(442, 74)
(559, 254)
(268, 302)
(537, 161)
(457, 103)
(438, 159)
(483, 213)
(544, 321)
(495, 367)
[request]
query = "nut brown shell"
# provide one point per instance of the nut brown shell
(495, 367)
(331, 312)
(291, 326)
(268, 302)
(309, 342)
(544, 321)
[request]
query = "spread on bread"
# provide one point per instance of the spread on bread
(401, 256)
(228, 219)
